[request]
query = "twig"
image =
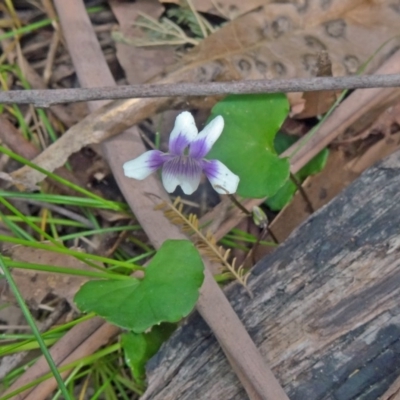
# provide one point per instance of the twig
(51, 56)
(46, 98)
(303, 193)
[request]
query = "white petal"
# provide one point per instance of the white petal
(188, 185)
(207, 137)
(142, 166)
(169, 181)
(183, 134)
(222, 179)
(182, 171)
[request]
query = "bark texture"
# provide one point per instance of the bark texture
(325, 312)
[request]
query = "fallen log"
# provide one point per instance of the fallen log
(325, 312)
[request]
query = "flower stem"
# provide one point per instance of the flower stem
(303, 193)
(239, 205)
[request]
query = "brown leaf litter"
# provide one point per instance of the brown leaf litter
(35, 286)
(283, 42)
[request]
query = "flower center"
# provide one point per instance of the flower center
(184, 166)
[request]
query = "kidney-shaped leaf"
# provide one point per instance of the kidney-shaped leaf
(246, 145)
(167, 293)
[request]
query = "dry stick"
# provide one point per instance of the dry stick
(245, 359)
(46, 98)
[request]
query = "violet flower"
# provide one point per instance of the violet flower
(185, 162)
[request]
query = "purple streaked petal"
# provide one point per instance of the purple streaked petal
(183, 171)
(142, 166)
(202, 144)
(183, 134)
(222, 179)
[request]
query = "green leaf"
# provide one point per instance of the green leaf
(246, 146)
(140, 347)
(286, 192)
(283, 196)
(317, 164)
(167, 293)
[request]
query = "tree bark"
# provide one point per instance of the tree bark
(325, 311)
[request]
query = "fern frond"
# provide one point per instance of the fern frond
(206, 243)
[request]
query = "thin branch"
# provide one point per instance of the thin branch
(46, 98)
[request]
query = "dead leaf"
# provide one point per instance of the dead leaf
(386, 123)
(319, 102)
(140, 64)
(36, 285)
(283, 40)
(14, 139)
(228, 9)
(376, 152)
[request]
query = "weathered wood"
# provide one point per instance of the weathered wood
(325, 312)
